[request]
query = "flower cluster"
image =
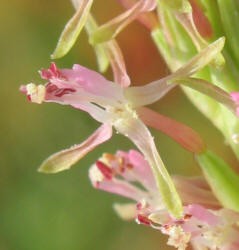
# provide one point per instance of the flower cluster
(189, 210)
(204, 223)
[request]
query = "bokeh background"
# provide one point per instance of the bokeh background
(63, 211)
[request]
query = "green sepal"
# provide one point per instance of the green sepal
(72, 30)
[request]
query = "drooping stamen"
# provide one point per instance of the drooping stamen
(61, 92)
(56, 91)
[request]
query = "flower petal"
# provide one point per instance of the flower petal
(117, 63)
(194, 191)
(125, 211)
(72, 29)
(66, 158)
(148, 19)
(152, 92)
(95, 111)
(179, 132)
(210, 90)
(202, 214)
(112, 28)
(141, 137)
(90, 27)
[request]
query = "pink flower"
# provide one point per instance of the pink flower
(119, 106)
(204, 224)
(106, 102)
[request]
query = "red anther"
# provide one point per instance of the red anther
(29, 98)
(50, 87)
(104, 169)
(61, 92)
(45, 74)
(53, 69)
(143, 219)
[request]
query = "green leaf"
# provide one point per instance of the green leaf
(72, 29)
(222, 179)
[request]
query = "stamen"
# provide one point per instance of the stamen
(141, 219)
(52, 71)
(50, 87)
(61, 92)
(35, 93)
(104, 169)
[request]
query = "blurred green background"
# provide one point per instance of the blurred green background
(63, 211)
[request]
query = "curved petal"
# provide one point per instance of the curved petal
(117, 63)
(148, 19)
(179, 132)
(152, 92)
(112, 28)
(66, 158)
(72, 29)
(95, 111)
(141, 137)
(125, 211)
